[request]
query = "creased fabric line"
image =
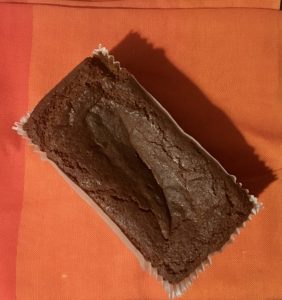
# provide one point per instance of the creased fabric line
(15, 31)
(164, 4)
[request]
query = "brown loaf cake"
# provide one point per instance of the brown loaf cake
(170, 198)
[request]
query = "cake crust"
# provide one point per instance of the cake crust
(173, 202)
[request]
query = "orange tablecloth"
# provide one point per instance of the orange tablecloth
(217, 71)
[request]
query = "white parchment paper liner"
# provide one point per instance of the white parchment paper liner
(173, 290)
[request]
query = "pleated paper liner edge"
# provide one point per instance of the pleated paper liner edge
(173, 290)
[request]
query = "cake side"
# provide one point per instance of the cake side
(173, 202)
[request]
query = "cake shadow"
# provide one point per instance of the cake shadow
(193, 111)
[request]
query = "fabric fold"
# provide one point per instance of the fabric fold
(155, 4)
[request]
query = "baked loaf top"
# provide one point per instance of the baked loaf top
(172, 200)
